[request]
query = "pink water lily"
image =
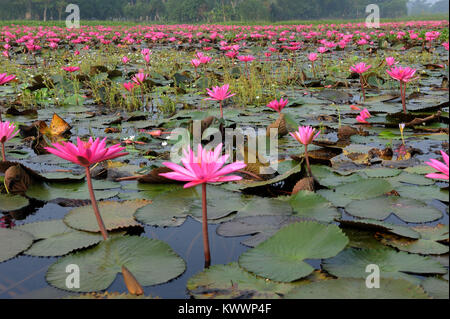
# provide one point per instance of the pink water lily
(219, 93)
(71, 68)
(278, 105)
(86, 154)
(200, 169)
(7, 132)
(441, 167)
(361, 68)
(5, 78)
(306, 135)
(403, 75)
(391, 61)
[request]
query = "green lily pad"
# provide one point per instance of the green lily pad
(231, 282)
(282, 256)
(351, 288)
(310, 204)
(379, 226)
(10, 203)
(365, 189)
(261, 227)
(171, 209)
(352, 263)
(13, 242)
(265, 207)
(380, 172)
(407, 178)
(436, 288)
(423, 193)
(115, 215)
(326, 177)
(56, 239)
(51, 191)
(380, 208)
(428, 243)
(151, 262)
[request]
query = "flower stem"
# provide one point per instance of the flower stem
(403, 94)
(307, 161)
(205, 227)
(362, 87)
(221, 110)
(3, 152)
(101, 225)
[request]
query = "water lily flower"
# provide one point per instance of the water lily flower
(7, 132)
(86, 154)
(5, 78)
(71, 68)
(441, 167)
(305, 135)
(313, 57)
(139, 78)
(278, 105)
(125, 60)
(203, 168)
(129, 86)
(403, 75)
(219, 94)
(361, 68)
(391, 61)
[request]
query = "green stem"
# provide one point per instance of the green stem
(205, 228)
(101, 225)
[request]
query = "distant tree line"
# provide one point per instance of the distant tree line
(420, 7)
(189, 11)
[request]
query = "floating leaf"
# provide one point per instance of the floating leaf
(13, 242)
(51, 191)
(10, 203)
(423, 193)
(375, 225)
(114, 214)
(436, 288)
(396, 265)
(231, 282)
(351, 288)
(380, 172)
(56, 239)
(151, 262)
(262, 227)
(428, 243)
(310, 204)
(380, 208)
(282, 256)
(365, 189)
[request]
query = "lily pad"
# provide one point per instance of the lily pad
(13, 242)
(115, 215)
(282, 257)
(51, 191)
(310, 204)
(352, 263)
(351, 288)
(151, 262)
(380, 208)
(231, 282)
(428, 243)
(365, 189)
(424, 193)
(261, 227)
(436, 288)
(56, 239)
(10, 203)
